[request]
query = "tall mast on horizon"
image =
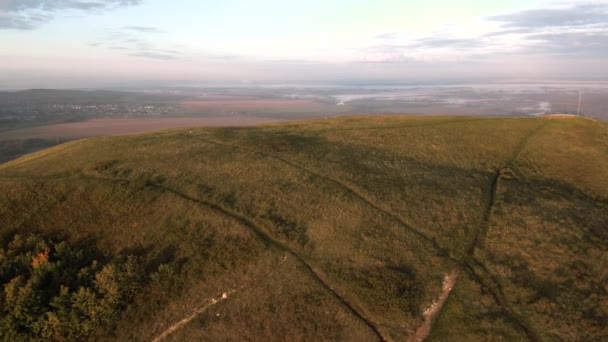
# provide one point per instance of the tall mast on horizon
(580, 97)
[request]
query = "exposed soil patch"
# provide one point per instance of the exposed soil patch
(429, 314)
(193, 315)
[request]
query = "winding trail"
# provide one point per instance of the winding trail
(479, 272)
(493, 285)
(347, 189)
(272, 242)
(469, 263)
(484, 226)
(477, 269)
(473, 265)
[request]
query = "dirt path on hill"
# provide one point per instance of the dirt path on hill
(449, 281)
(274, 243)
(269, 240)
(429, 314)
(208, 303)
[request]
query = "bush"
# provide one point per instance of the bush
(54, 291)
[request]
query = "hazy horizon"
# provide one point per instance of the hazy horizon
(95, 44)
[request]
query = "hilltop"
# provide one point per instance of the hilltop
(352, 228)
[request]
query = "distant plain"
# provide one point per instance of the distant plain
(35, 119)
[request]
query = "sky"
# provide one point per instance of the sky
(93, 43)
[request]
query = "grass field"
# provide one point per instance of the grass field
(336, 229)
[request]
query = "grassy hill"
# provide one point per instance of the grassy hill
(338, 229)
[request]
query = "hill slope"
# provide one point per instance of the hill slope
(345, 229)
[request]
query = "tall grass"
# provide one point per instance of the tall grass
(379, 208)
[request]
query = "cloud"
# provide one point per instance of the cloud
(154, 54)
(143, 29)
(577, 15)
(386, 36)
(401, 48)
(18, 22)
(376, 57)
(53, 5)
(223, 57)
(571, 44)
(577, 30)
(448, 42)
(133, 41)
(383, 53)
(519, 30)
(31, 14)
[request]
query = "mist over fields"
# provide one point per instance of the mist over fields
(34, 119)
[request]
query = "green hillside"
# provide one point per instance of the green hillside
(337, 229)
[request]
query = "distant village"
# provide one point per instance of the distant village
(46, 112)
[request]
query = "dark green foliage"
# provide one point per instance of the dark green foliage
(390, 288)
(56, 291)
(288, 229)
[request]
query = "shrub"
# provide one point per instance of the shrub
(54, 291)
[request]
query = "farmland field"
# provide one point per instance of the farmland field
(99, 127)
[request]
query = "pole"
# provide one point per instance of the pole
(580, 97)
